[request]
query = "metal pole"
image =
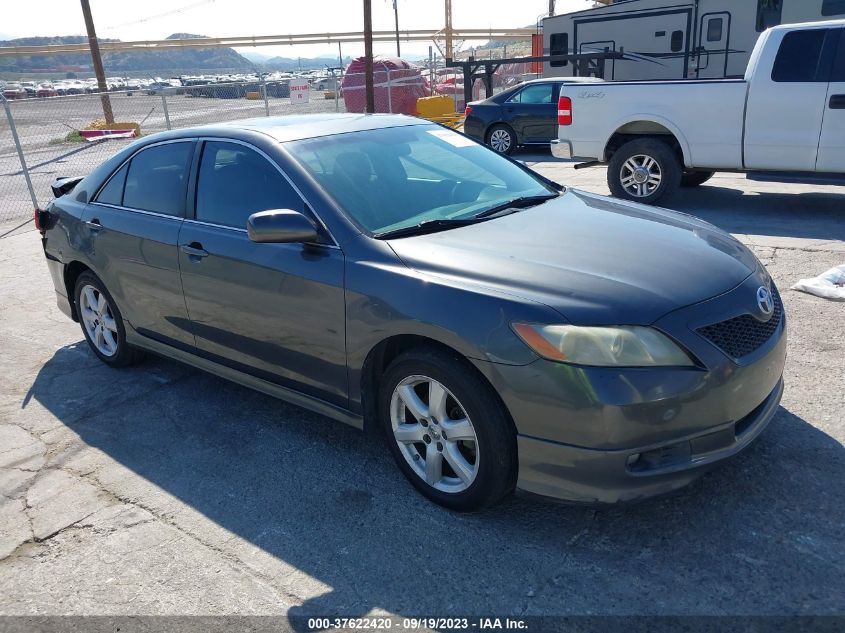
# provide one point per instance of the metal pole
(396, 15)
(164, 106)
(21, 157)
(368, 56)
(98, 63)
(389, 95)
(431, 69)
(263, 85)
(336, 89)
(447, 32)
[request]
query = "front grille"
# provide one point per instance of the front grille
(742, 335)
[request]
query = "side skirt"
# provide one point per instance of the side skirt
(259, 384)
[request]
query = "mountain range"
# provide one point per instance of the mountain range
(186, 60)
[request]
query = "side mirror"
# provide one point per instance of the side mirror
(280, 226)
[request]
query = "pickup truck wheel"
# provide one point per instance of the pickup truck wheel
(501, 138)
(102, 323)
(696, 178)
(447, 430)
(644, 170)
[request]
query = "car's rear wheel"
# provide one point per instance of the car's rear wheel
(447, 430)
(696, 178)
(501, 138)
(644, 170)
(102, 323)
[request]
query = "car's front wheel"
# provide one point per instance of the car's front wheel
(447, 430)
(501, 138)
(102, 322)
(644, 170)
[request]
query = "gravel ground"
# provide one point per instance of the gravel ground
(163, 490)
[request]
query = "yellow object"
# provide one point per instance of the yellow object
(100, 124)
(255, 96)
(438, 105)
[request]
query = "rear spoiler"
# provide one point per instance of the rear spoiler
(61, 186)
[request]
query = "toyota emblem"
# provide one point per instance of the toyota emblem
(765, 301)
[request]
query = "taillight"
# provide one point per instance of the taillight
(564, 111)
(468, 111)
(42, 219)
(37, 216)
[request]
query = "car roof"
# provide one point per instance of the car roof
(572, 80)
(302, 126)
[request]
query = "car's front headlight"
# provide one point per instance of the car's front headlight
(623, 346)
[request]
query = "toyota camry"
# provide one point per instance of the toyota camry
(502, 331)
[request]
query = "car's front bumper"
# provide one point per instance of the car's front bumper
(581, 475)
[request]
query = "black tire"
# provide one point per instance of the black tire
(124, 354)
(501, 138)
(496, 456)
(666, 161)
(696, 178)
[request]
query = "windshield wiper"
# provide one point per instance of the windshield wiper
(517, 203)
(429, 226)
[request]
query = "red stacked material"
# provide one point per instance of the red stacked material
(397, 86)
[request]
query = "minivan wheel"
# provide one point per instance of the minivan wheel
(644, 170)
(447, 430)
(501, 138)
(102, 323)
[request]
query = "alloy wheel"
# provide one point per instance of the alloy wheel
(500, 140)
(434, 434)
(641, 176)
(98, 320)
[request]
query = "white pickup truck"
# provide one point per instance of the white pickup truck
(784, 122)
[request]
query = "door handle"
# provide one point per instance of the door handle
(837, 102)
(194, 250)
(94, 225)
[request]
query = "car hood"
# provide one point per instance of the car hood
(593, 259)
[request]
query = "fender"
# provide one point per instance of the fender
(652, 118)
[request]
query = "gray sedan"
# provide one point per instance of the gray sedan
(501, 331)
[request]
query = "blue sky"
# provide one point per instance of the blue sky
(156, 19)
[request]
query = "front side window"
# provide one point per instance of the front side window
(236, 181)
(534, 94)
(799, 56)
(769, 14)
(833, 7)
(392, 178)
(559, 45)
(157, 179)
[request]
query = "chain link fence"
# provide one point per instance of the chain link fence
(54, 133)
(51, 131)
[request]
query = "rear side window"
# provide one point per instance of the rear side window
(157, 179)
(112, 193)
(799, 56)
(559, 45)
(235, 182)
(769, 13)
(833, 7)
(838, 74)
(536, 94)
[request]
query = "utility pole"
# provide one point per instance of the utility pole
(98, 63)
(396, 16)
(551, 8)
(368, 56)
(448, 30)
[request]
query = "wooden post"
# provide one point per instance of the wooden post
(98, 63)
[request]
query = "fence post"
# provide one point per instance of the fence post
(164, 105)
(389, 95)
(263, 86)
(21, 156)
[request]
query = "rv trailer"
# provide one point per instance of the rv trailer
(674, 39)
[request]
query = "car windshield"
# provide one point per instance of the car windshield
(398, 177)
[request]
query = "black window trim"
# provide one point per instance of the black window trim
(191, 214)
(125, 163)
